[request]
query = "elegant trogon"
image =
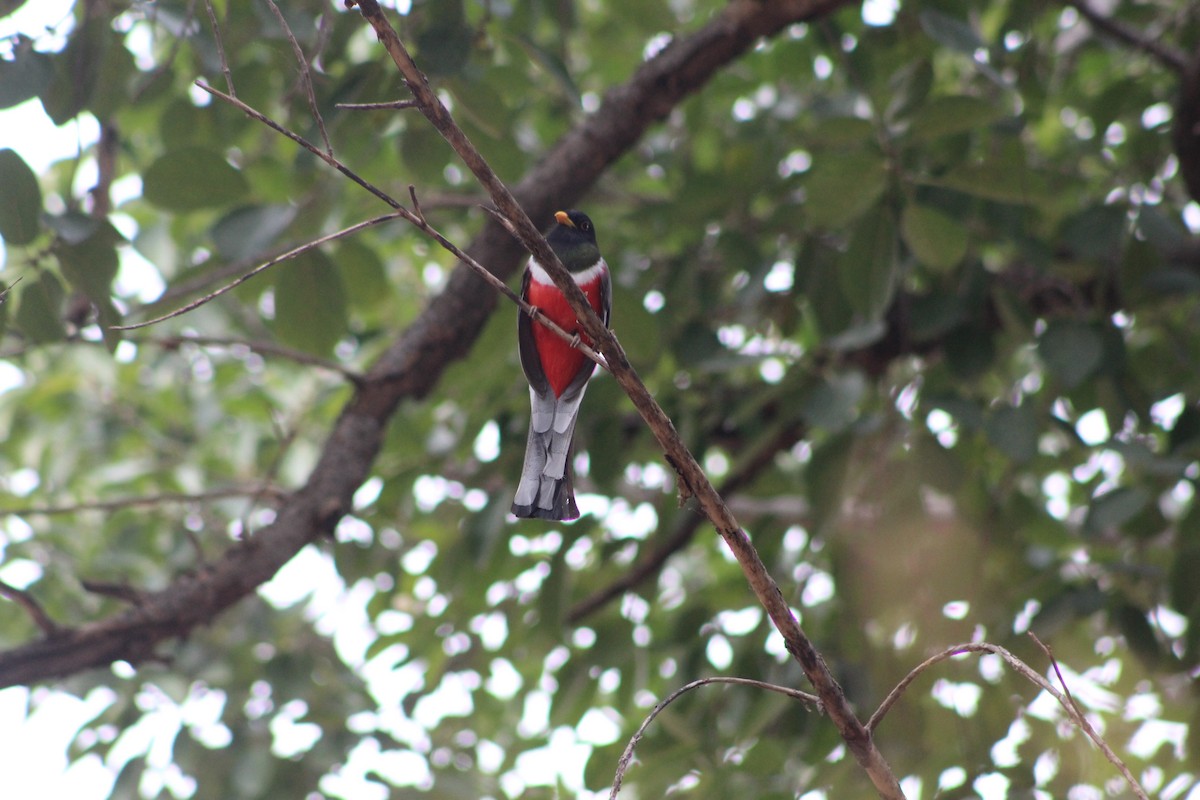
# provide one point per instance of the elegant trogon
(557, 372)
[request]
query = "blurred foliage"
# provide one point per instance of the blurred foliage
(947, 247)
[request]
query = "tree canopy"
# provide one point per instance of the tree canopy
(916, 284)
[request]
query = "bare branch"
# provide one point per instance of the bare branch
(305, 75)
(300, 140)
(395, 105)
(264, 348)
(1080, 719)
(32, 607)
(164, 498)
(691, 475)
(304, 248)
(216, 29)
(647, 567)
(627, 756)
(4, 292)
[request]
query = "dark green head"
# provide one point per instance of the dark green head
(574, 240)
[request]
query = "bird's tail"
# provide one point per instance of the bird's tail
(545, 490)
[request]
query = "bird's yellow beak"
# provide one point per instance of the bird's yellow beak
(563, 219)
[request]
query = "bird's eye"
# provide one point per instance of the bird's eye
(586, 227)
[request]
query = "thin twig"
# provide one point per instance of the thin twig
(150, 79)
(1068, 702)
(32, 607)
(216, 29)
(304, 248)
(1027, 672)
(400, 211)
(305, 75)
(394, 105)
(300, 140)
(4, 292)
(627, 756)
(164, 498)
(265, 348)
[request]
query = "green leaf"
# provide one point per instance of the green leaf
(1013, 431)
(937, 240)
(697, 344)
(1113, 509)
(248, 231)
(1096, 233)
(1138, 633)
(310, 303)
(970, 350)
(363, 273)
(91, 264)
(1071, 350)
(1005, 183)
(424, 151)
(444, 43)
(909, 87)
(76, 70)
(833, 403)
(868, 271)
(841, 186)
(825, 476)
(950, 31)
(26, 76)
(73, 227)
(944, 116)
(39, 312)
(20, 200)
(192, 178)
(1160, 229)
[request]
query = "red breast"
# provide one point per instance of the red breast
(560, 362)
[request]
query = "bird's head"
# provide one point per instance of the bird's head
(574, 240)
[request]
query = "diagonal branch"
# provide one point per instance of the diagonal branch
(693, 479)
(649, 566)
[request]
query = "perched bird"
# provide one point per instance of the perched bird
(557, 372)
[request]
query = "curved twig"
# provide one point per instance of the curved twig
(1025, 671)
(627, 756)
